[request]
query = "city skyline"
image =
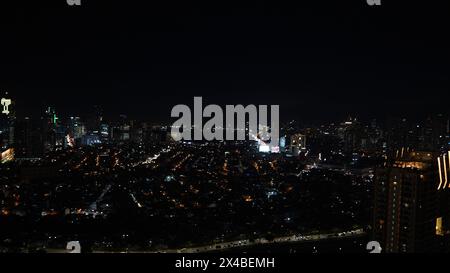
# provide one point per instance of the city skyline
(224, 128)
(98, 109)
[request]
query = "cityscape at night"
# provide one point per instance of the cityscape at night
(128, 186)
(339, 139)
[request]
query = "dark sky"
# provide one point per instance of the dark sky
(317, 61)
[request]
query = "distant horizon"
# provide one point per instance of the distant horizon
(333, 118)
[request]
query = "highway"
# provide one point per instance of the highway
(242, 243)
(262, 241)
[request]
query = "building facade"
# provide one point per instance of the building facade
(411, 203)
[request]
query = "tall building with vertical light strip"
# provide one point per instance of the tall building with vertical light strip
(411, 202)
(443, 219)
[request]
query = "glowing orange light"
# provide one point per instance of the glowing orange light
(440, 173)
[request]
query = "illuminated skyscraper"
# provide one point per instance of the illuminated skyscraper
(298, 144)
(7, 119)
(76, 128)
(50, 126)
(410, 204)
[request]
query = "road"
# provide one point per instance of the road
(262, 241)
(257, 242)
(243, 243)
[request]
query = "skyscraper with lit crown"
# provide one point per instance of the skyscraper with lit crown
(411, 202)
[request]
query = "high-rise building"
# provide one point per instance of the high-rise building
(104, 132)
(436, 132)
(50, 129)
(29, 140)
(157, 134)
(351, 133)
(95, 120)
(298, 144)
(410, 210)
(431, 135)
(443, 218)
(7, 120)
(402, 133)
(121, 131)
(76, 128)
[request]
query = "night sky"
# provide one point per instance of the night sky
(319, 62)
